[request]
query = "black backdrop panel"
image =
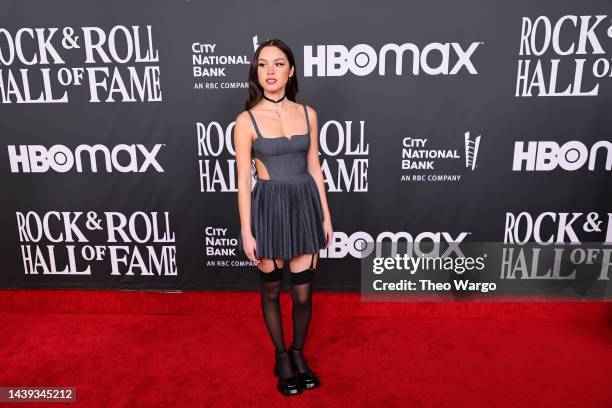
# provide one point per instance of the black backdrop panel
(117, 117)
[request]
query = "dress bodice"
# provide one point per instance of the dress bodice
(284, 157)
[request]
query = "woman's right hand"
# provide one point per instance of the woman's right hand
(249, 244)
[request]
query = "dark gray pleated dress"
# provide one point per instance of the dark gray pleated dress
(286, 210)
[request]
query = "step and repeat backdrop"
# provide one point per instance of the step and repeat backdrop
(439, 121)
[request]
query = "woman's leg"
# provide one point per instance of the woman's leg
(271, 279)
(270, 306)
(302, 271)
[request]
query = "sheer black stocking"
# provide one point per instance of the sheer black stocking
(301, 293)
(270, 306)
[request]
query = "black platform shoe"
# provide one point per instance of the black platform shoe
(307, 380)
(287, 386)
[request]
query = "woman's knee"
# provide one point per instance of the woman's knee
(272, 290)
(301, 298)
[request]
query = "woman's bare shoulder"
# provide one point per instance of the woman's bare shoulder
(242, 116)
(243, 127)
(311, 110)
(312, 115)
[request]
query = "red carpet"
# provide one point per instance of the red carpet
(143, 349)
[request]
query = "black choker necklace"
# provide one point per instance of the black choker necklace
(272, 100)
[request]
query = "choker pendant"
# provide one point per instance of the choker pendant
(277, 112)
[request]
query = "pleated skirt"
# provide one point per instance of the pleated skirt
(286, 218)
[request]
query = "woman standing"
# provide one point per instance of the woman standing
(286, 217)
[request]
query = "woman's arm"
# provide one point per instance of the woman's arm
(242, 144)
(314, 168)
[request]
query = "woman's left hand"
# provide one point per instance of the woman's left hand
(329, 232)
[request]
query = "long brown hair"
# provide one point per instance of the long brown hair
(255, 89)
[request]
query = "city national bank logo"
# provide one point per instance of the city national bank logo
(471, 150)
(421, 162)
(210, 66)
(571, 156)
(60, 243)
(121, 64)
(558, 57)
(59, 158)
(363, 59)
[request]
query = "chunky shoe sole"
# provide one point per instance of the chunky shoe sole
(307, 380)
(286, 391)
(309, 385)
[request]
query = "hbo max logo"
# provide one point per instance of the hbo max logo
(573, 155)
(121, 158)
(363, 59)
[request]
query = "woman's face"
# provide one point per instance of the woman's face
(273, 69)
